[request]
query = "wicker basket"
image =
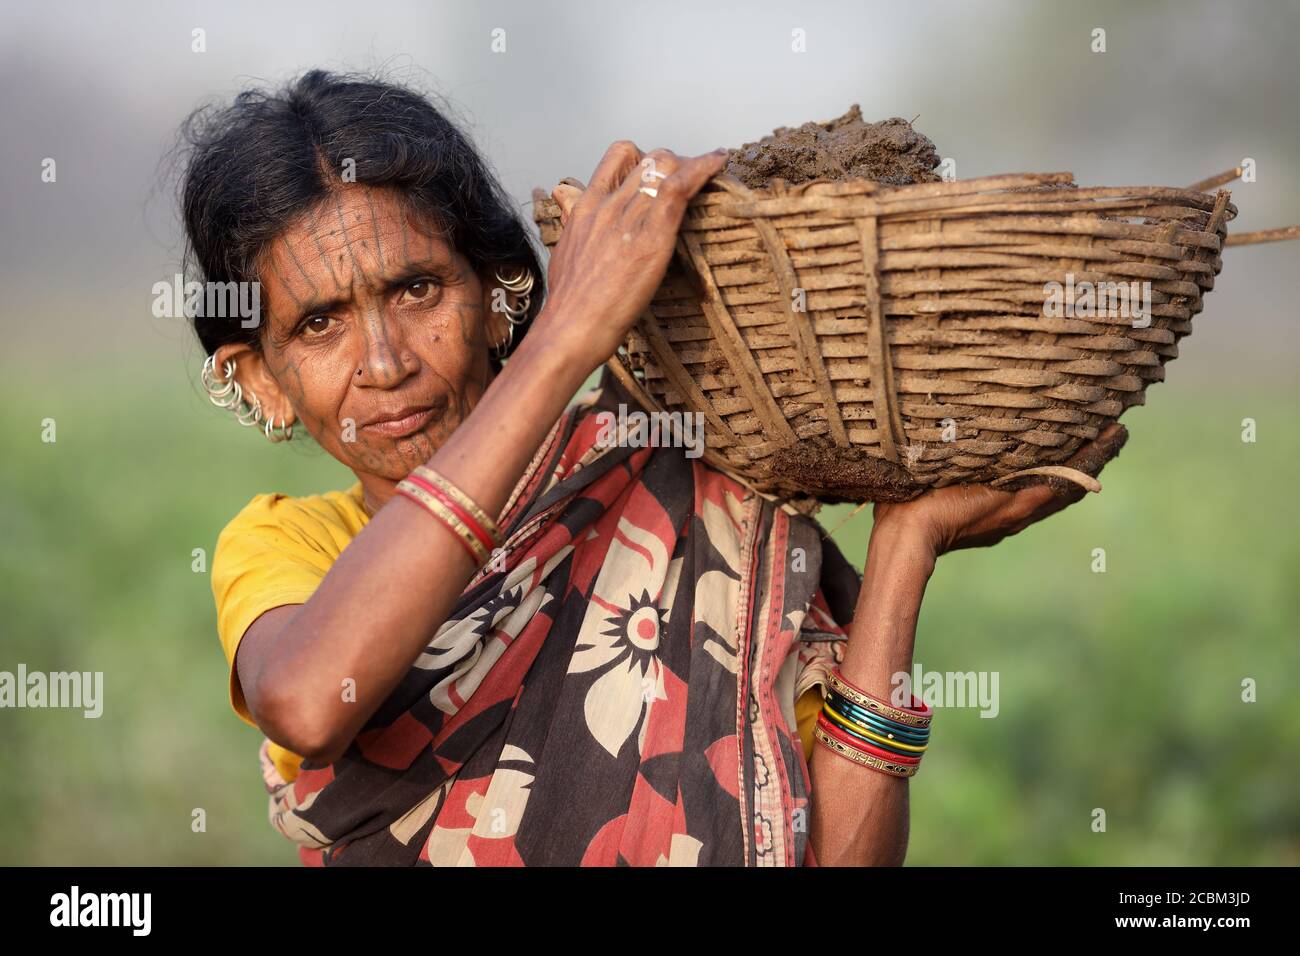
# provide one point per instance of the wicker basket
(847, 341)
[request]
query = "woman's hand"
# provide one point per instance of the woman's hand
(969, 516)
(616, 245)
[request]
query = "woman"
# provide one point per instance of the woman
(513, 641)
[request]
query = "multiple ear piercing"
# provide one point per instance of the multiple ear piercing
(522, 286)
(227, 393)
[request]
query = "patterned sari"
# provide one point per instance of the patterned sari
(621, 693)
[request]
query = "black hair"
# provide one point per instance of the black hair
(254, 165)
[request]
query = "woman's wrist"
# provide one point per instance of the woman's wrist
(548, 354)
(904, 531)
(579, 350)
(901, 546)
(900, 560)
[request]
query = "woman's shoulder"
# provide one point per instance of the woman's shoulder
(325, 521)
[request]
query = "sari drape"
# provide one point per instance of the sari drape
(619, 690)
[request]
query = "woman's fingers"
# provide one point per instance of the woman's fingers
(624, 171)
(613, 168)
(674, 179)
(618, 243)
(650, 173)
(566, 196)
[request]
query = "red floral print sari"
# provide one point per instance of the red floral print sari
(622, 693)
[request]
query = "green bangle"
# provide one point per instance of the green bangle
(877, 739)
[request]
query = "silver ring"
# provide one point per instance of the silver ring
(649, 191)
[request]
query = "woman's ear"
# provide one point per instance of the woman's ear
(496, 326)
(255, 381)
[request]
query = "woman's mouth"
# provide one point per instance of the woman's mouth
(402, 422)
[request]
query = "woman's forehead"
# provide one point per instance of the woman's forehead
(356, 234)
(364, 224)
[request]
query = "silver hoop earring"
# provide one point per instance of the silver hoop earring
(223, 393)
(521, 284)
(251, 415)
(516, 315)
(285, 433)
(503, 349)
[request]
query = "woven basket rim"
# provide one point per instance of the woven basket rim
(1036, 185)
(1051, 203)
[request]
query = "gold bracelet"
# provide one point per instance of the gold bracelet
(448, 518)
(865, 759)
(462, 499)
(875, 706)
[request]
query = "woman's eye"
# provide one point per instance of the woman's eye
(317, 324)
(419, 289)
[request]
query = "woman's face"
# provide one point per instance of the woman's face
(377, 334)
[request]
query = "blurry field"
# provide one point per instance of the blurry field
(1119, 691)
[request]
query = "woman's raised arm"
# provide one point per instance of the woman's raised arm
(860, 815)
(398, 579)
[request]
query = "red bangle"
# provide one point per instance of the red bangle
(454, 506)
(462, 534)
(852, 752)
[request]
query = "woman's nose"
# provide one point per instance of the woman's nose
(387, 361)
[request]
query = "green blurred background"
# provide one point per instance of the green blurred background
(1119, 690)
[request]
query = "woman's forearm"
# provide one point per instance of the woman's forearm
(398, 579)
(860, 815)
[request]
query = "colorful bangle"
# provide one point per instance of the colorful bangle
(841, 735)
(875, 714)
(447, 517)
(915, 716)
(462, 499)
(872, 733)
(866, 733)
(875, 738)
(881, 725)
(894, 768)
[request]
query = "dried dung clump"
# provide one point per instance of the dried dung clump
(890, 152)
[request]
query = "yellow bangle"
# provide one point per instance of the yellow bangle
(871, 734)
(865, 759)
(462, 499)
(448, 518)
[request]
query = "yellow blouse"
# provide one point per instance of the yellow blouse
(277, 550)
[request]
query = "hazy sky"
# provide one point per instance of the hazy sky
(1183, 90)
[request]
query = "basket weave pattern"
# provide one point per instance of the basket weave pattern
(851, 341)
